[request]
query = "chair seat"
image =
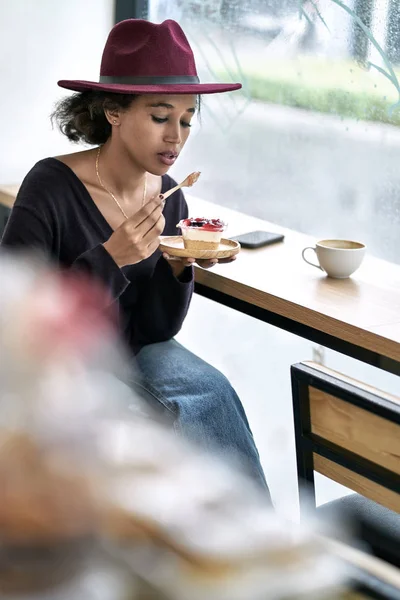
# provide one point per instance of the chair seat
(370, 523)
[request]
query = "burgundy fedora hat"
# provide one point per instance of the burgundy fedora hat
(141, 57)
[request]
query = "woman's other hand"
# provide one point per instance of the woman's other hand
(178, 264)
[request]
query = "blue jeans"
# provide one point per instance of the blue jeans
(199, 401)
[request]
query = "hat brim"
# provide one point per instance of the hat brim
(117, 88)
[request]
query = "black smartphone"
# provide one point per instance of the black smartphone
(257, 239)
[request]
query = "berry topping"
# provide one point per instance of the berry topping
(206, 224)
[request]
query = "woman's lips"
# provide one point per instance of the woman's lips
(167, 158)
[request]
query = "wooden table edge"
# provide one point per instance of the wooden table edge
(301, 314)
(8, 193)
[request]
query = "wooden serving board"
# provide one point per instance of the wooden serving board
(173, 245)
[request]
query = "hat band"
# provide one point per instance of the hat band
(184, 79)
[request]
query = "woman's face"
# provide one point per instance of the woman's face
(155, 128)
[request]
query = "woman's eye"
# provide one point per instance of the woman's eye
(159, 119)
(165, 119)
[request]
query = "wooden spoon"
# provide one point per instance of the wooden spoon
(188, 182)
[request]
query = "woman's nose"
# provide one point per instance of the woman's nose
(173, 134)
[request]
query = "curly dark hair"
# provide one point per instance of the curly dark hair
(81, 116)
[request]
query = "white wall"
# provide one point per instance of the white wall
(42, 41)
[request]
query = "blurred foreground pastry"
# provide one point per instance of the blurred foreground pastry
(194, 528)
(47, 515)
(101, 503)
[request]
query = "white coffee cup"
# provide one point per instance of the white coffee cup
(338, 258)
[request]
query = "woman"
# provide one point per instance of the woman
(102, 210)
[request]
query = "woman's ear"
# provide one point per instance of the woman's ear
(112, 117)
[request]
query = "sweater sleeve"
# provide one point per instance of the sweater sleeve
(164, 301)
(99, 264)
(33, 227)
(163, 305)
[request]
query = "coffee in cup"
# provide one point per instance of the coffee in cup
(338, 258)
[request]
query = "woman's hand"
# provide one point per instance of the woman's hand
(178, 264)
(138, 237)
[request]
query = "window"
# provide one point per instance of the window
(314, 140)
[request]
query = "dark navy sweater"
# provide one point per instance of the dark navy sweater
(55, 214)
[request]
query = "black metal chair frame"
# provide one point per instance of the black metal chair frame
(307, 443)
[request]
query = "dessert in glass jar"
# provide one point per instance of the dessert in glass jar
(200, 233)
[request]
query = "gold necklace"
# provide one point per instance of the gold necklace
(110, 192)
